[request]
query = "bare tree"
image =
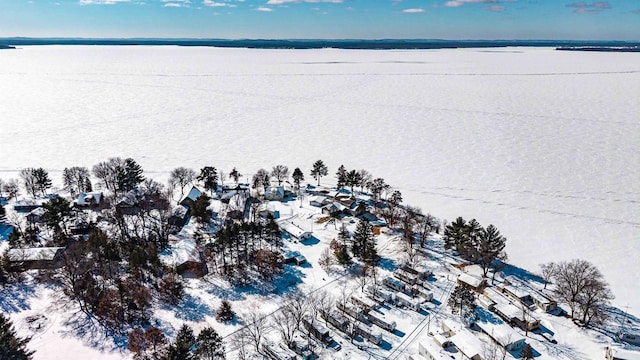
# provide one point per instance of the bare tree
(30, 182)
(280, 173)
(108, 171)
(547, 270)
(581, 285)
(11, 188)
(257, 325)
(76, 179)
(289, 318)
(261, 178)
(182, 177)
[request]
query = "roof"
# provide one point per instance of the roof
(33, 254)
(502, 333)
(181, 251)
(436, 352)
(89, 198)
(294, 230)
(509, 310)
(335, 206)
(194, 194)
(469, 279)
(274, 191)
(318, 199)
(467, 343)
(625, 354)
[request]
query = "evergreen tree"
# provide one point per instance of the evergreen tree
(209, 178)
(235, 175)
(527, 353)
(130, 175)
(318, 170)
(341, 175)
(225, 313)
(185, 341)
(43, 182)
(364, 243)
(57, 212)
(352, 179)
(490, 247)
(209, 345)
(12, 347)
(342, 256)
(199, 209)
(298, 177)
(462, 300)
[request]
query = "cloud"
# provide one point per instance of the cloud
(495, 8)
(585, 8)
(170, 4)
(264, 9)
(280, 2)
(212, 3)
(413, 11)
(458, 3)
(101, 2)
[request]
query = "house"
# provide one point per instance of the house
(430, 350)
(191, 197)
(543, 302)
(621, 354)
(187, 258)
(333, 209)
(468, 344)
(90, 200)
(319, 201)
(179, 217)
(295, 231)
(35, 258)
(517, 316)
(35, 216)
(629, 338)
(267, 211)
(274, 193)
(503, 335)
(474, 283)
(27, 205)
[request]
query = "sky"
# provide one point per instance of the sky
(323, 19)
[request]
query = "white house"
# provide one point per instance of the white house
(503, 334)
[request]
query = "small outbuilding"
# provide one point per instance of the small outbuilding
(35, 258)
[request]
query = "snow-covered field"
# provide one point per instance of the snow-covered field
(543, 144)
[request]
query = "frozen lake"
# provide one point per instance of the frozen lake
(543, 144)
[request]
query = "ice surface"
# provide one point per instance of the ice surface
(543, 144)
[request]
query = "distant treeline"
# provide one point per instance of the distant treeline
(601, 48)
(383, 44)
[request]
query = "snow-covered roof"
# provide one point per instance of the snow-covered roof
(469, 279)
(318, 199)
(436, 352)
(467, 343)
(33, 254)
(502, 333)
(274, 191)
(38, 211)
(181, 251)
(517, 291)
(625, 354)
(335, 206)
(89, 198)
(509, 310)
(294, 230)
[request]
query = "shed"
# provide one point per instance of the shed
(294, 257)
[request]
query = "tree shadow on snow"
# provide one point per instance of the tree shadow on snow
(287, 282)
(387, 264)
(15, 297)
(522, 274)
(192, 309)
(87, 328)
